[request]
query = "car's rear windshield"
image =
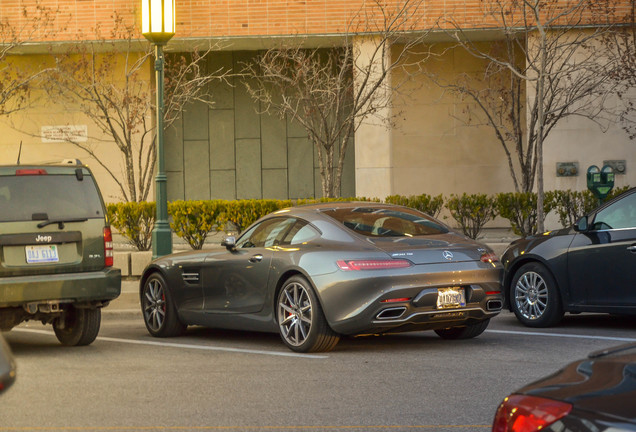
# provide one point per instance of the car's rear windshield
(41, 197)
(387, 222)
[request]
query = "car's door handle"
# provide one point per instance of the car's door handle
(256, 258)
(632, 248)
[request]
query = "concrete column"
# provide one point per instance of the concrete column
(373, 139)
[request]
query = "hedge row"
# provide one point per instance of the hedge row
(194, 220)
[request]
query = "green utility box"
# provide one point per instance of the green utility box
(600, 181)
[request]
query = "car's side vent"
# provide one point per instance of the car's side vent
(190, 276)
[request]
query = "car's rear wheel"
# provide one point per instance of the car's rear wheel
(78, 326)
(534, 296)
(466, 332)
(158, 309)
(301, 321)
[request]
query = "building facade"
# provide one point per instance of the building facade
(420, 143)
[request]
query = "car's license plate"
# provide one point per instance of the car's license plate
(41, 254)
(452, 297)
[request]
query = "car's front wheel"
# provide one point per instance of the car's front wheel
(534, 296)
(301, 321)
(158, 309)
(78, 326)
(467, 332)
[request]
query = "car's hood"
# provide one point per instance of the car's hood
(604, 383)
(431, 249)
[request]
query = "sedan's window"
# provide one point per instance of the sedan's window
(300, 233)
(621, 214)
(387, 222)
(266, 234)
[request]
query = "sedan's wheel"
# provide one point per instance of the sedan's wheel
(78, 326)
(534, 296)
(301, 322)
(160, 313)
(467, 332)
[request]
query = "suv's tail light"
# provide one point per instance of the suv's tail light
(108, 247)
(350, 265)
(27, 171)
(519, 413)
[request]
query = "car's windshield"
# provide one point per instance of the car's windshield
(48, 197)
(390, 222)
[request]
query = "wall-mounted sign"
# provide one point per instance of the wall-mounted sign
(65, 133)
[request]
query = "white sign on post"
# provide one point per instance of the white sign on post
(65, 133)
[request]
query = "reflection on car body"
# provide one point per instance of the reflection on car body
(313, 273)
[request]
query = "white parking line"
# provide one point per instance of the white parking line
(563, 335)
(188, 346)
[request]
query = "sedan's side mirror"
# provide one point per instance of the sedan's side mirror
(581, 224)
(229, 242)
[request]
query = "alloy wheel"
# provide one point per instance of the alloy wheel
(531, 295)
(154, 304)
(294, 313)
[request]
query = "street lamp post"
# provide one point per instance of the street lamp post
(158, 26)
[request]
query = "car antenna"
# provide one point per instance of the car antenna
(19, 153)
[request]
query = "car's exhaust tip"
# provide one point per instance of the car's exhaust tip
(494, 305)
(391, 313)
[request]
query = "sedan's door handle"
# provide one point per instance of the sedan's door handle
(256, 258)
(632, 248)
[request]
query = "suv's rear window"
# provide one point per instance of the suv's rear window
(389, 222)
(29, 197)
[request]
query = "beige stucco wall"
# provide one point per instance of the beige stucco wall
(434, 151)
(25, 127)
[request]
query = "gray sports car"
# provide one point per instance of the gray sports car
(315, 272)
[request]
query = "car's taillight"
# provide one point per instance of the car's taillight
(108, 247)
(489, 258)
(350, 265)
(519, 413)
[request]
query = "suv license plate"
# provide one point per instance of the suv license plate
(41, 254)
(453, 297)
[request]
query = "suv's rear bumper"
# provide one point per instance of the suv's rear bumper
(101, 285)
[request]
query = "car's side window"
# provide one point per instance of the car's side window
(300, 233)
(621, 214)
(266, 234)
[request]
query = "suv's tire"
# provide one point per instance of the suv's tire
(77, 326)
(301, 321)
(158, 309)
(468, 332)
(534, 296)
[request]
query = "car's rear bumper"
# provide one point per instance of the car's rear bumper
(406, 299)
(104, 285)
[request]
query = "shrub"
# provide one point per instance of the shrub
(243, 213)
(193, 220)
(520, 208)
(472, 212)
(425, 203)
(570, 205)
(134, 221)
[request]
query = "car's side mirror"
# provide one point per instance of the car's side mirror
(229, 242)
(581, 225)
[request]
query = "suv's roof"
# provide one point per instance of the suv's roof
(68, 166)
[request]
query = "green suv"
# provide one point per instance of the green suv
(56, 250)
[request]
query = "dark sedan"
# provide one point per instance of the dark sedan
(590, 267)
(597, 394)
(313, 273)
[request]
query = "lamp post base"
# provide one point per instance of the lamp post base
(161, 240)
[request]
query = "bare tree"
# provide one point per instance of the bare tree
(34, 22)
(550, 64)
(107, 80)
(331, 91)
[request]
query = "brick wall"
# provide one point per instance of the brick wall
(216, 18)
